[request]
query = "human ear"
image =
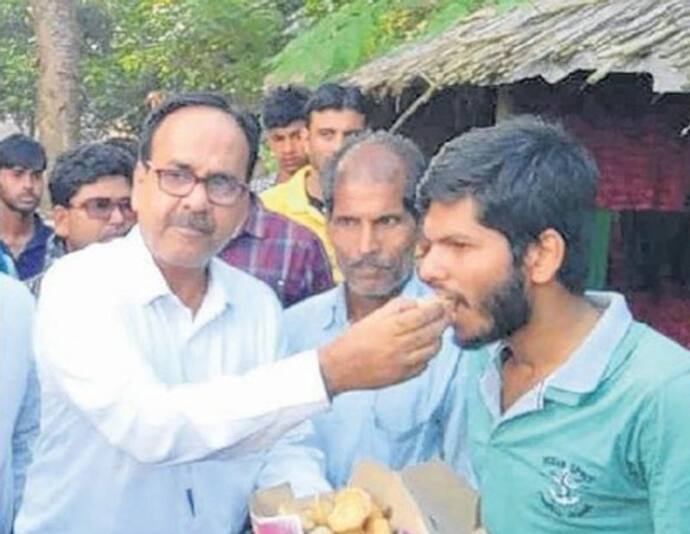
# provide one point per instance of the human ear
(545, 256)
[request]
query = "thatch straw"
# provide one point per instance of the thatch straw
(548, 38)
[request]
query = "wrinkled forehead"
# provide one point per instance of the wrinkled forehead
(371, 161)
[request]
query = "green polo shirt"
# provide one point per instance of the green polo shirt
(601, 445)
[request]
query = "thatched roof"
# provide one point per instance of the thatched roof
(548, 38)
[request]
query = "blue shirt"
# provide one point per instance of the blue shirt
(18, 395)
(31, 260)
(6, 262)
(156, 420)
(600, 445)
(398, 425)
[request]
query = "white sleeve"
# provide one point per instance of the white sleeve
(21, 314)
(25, 433)
(295, 458)
(86, 350)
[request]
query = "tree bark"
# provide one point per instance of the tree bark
(57, 39)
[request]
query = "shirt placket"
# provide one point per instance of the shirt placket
(189, 493)
(490, 387)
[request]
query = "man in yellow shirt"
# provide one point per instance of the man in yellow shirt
(333, 113)
(284, 121)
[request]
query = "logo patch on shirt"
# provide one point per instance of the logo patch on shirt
(568, 482)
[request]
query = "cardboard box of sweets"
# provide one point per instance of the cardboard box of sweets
(423, 499)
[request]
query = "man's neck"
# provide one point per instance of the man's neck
(313, 184)
(16, 229)
(189, 284)
(358, 307)
(558, 326)
(283, 175)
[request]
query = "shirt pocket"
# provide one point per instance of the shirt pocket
(408, 424)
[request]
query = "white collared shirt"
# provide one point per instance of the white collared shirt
(155, 420)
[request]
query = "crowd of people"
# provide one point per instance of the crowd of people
(183, 333)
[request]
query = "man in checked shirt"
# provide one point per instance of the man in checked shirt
(287, 256)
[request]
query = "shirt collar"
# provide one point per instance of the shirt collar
(220, 294)
(41, 233)
(295, 192)
(585, 368)
(257, 219)
(55, 248)
(337, 316)
(577, 376)
(149, 284)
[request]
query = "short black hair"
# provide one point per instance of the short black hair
(402, 147)
(526, 176)
(85, 165)
(246, 121)
(128, 144)
(337, 97)
(283, 106)
(19, 150)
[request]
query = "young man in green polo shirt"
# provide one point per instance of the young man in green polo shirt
(571, 417)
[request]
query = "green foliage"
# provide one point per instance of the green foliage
(132, 47)
(333, 44)
(178, 45)
(17, 63)
(348, 33)
(317, 9)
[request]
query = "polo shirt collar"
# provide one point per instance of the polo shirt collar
(577, 376)
(585, 368)
(490, 380)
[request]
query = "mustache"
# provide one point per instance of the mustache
(455, 297)
(371, 262)
(199, 222)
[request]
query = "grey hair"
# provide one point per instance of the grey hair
(415, 164)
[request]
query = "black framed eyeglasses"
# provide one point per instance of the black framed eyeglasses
(102, 208)
(221, 189)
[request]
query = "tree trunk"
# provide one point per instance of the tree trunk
(57, 38)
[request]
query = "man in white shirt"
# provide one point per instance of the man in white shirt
(161, 397)
(18, 402)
